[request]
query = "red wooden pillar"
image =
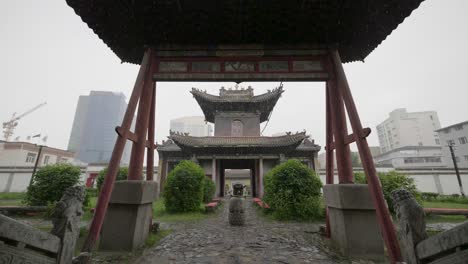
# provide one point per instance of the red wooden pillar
(114, 162)
(340, 131)
(328, 151)
(383, 215)
(150, 147)
(135, 168)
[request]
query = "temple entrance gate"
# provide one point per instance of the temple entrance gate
(237, 64)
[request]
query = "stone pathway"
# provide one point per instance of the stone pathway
(259, 241)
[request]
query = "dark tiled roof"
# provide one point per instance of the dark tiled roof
(357, 26)
(238, 142)
(263, 103)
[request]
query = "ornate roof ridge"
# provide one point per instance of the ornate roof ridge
(276, 92)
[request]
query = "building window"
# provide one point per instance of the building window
(447, 131)
(30, 157)
(466, 157)
(63, 160)
(433, 159)
(46, 160)
(462, 140)
(237, 127)
(459, 127)
(457, 159)
(420, 143)
(437, 141)
(432, 118)
(450, 142)
(413, 160)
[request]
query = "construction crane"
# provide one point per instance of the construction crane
(9, 126)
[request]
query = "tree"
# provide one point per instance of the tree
(184, 188)
(121, 176)
(391, 181)
(50, 182)
(293, 191)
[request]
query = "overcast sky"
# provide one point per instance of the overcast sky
(48, 54)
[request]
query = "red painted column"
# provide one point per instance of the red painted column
(150, 148)
(135, 168)
(114, 162)
(383, 215)
(328, 151)
(340, 131)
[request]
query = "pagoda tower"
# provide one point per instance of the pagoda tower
(237, 142)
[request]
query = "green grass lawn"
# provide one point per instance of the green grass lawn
(11, 198)
(445, 218)
(161, 215)
(444, 205)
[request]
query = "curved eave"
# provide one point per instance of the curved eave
(210, 104)
(238, 142)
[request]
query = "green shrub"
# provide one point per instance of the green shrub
(209, 189)
(391, 181)
(121, 176)
(292, 191)
(50, 183)
(184, 188)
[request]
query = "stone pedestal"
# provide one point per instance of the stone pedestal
(353, 221)
(128, 219)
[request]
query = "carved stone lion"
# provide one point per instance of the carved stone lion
(411, 223)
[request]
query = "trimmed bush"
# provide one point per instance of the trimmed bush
(391, 181)
(209, 189)
(50, 183)
(183, 191)
(121, 176)
(292, 191)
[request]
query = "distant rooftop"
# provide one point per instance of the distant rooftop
(451, 126)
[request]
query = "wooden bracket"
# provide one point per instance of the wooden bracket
(133, 137)
(351, 138)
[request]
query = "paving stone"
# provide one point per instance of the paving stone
(258, 241)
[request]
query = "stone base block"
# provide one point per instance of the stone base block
(128, 219)
(353, 222)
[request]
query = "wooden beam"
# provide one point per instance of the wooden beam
(132, 137)
(351, 138)
(114, 163)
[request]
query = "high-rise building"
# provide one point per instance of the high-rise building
(93, 133)
(194, 125)
(457, 136)
(404, 129)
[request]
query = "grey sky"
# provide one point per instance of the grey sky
(48, 54)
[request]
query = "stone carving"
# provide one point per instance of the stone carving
(411, 223)
(22, 243)
(66, 221)
(236, 211)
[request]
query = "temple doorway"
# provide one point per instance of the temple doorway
(233, 171)
(237, 176)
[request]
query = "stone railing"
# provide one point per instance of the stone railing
(448, 247)
(21, 243)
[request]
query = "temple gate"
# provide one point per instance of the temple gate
(245, 41)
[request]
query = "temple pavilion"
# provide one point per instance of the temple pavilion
(237, 142)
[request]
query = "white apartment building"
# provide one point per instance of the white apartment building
(24, 154)
(194, 125)
(457, 136)
(404, 129)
